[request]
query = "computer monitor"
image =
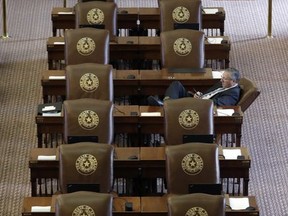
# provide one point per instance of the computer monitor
(97, 26)
(76, 139)
(213, 189)
(192, 26)
(207, 138)
(83, 187)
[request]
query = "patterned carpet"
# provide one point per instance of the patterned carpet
(23, 57)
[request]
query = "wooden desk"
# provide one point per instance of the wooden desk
(149, 165)
(118, 206)
(64, 18)
(141, 206)
(127, 119)
(137, 48)
(146, 82)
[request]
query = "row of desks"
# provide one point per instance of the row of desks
(143, 82)
(64, 18)
(148, 206)
(150, 163)
(128, 119)
(137, 48)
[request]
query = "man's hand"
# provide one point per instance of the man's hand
(198, 94)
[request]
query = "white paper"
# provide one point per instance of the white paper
(215, 40)
(46, 157)
(52, 114)
(57, 77)
(150, 114)
(239, 203)
(49, 108)
(225, 112)
(217, 74)
(231, 154)
(59, 43)
(210, 10)
(63, 12)
(40, 208)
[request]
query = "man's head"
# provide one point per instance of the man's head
(230, 77)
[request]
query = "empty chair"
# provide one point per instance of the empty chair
(187, 13)
(182, 48)
(193, 168)
(84, 203)
(249, 93)
(98, 14)
(89, 80)
(85, 166)
(188, 120)
(196, 204)
(86, 45)
(88, 120)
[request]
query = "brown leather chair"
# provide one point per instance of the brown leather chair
(88, 119)
(196, 204)
(89, 80)
(86, 45)
(79, 203)
(182, 48)
(179, 12)
(249, 93)
(86, 166)
(187, 116)
(191, 164)
(97, 13)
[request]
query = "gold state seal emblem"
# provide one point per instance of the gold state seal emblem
(188, 119)
(86, 164)
(182, 47)
(192, 164)
(95, 16)
(181, 14)
(196, 211)
(88, 119)
(83, 210)
(89, 82)
(86, 46)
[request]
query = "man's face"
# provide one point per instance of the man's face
(226, 80)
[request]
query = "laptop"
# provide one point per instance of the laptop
(209, 138)
(213, 189)
(76, 139)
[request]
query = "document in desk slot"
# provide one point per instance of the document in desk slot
(59, 43)
(217, 74)
(46, 157)
(63, 12)
(225, 112)
(215, 40)
(150, 114)
(57, 77)
(50, 109)
(210, 10)
(40, 208)
(231, 154)
(239, 203)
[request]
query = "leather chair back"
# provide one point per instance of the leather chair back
(191, 163)
(88, 117)
(182, 48)
(196, 204)
(97, 13)
(89, 80)
(181, 12)
(187, 116)
(86, 45)
(249, 93)
(86, 163)
(80, 202)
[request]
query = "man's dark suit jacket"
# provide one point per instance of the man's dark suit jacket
(229, 97)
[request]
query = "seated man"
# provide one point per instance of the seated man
(224, 93)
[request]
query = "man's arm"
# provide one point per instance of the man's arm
(227, 98)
